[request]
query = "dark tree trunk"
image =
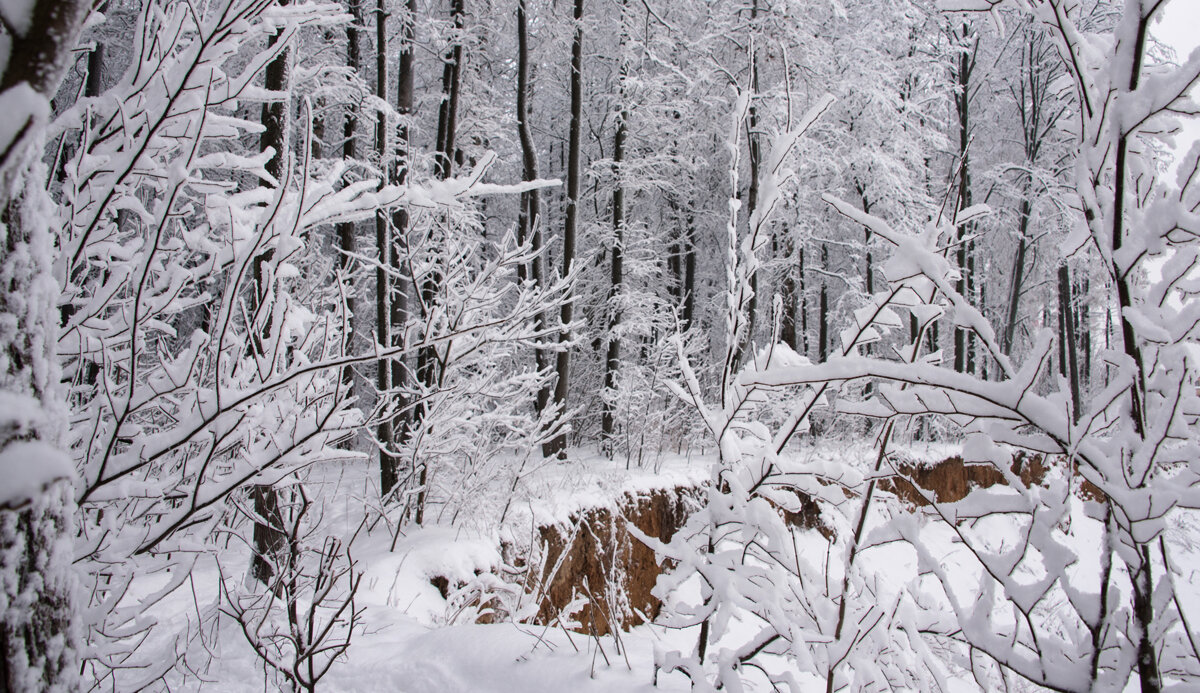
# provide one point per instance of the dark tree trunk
(1018, 277)
(803, 305)
(823, 314)
(346, 236)
(558, 445)
(613, 355)
(1066, 323)
(268, 535)
(389, 462)
(95, 71)
(429, 366)
(962, 105)
(689, 272)
(752, 193)
(38, 648)
(529, 224)
(402, 423)
(787, 327)
(448, 110)
(972, 296)
(1083, 322)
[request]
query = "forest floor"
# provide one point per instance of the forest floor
(421, 637)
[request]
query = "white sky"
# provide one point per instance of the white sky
(1180, 28)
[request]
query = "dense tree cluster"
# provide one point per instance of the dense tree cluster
(248, 242)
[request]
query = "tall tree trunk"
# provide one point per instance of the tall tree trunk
(962, 104)
(269, 538)
(1083, 322)
(868, 267)
(389, 462)
(972, 296)
(823, 313)
(558, 445)
(755, 165)
(612, 356)
(803, 305)
(346, 236)
(39, 642)
(529, 224)
(429, 368)
(787, 327)
(402, 423)
(689, 271)
(448, 110)
(1066, 323)
(1018, 276)
(1140, 571)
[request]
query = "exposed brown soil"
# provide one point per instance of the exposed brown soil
(595, 557)
(952, 479)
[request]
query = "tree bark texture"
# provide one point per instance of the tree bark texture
(39, 625)
(558, 444)
(268, 534)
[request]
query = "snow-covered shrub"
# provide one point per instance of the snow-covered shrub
(201, 360)
(302, 621)
(1030, 589)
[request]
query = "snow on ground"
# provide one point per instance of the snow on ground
(414, 640)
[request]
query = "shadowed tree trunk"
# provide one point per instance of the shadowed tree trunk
(346, 240)
(803, 305)
(752, 193)
(558, 444)
(962, 104)
(429, 369)
(389, 462)
(402, 423)
(787, 327)
(689, 271)
(823, 313)
(1066, 323)
(612, 357)
(38, 642)
(529, 220)
(268, 523)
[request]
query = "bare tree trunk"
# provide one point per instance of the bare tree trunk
(689, 271)
(752, 194)
(558, 445)
(787, 327)
(389, 462)
(1140, 572)
(962, 104)
(529, 222)
(1018, 277)
(803, 305)
(402, 424)
(429, 369)
(972, 296)
(612, 357)
(448, 110)
(346, 237)
(823, 313)
(39, 643)
(1066, 323)
(268, 535)
(1083, 327)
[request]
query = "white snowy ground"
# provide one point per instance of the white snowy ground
(415, 641)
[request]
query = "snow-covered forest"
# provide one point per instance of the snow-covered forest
(598, 345)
